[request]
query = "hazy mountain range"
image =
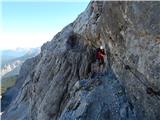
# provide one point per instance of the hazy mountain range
(11, 64)
(8, 56)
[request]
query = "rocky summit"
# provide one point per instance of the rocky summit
(61, 83)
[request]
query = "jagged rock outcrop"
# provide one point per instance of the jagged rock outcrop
(61, 85)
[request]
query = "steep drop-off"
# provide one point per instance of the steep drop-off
(61, 86)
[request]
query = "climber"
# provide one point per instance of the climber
(100, 54)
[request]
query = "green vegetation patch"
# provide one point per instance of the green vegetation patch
(7, 82)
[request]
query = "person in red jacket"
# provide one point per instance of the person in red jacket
(100, 57)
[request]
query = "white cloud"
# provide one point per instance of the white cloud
(11, 40)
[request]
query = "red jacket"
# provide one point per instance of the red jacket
(99, 54)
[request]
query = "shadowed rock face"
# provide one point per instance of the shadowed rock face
(61, 85)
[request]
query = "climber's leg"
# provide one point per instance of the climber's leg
(100, 66)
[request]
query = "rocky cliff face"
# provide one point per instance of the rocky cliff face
(62, 84)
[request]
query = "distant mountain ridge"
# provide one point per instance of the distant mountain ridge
(10, 55)
(11, 67)
(16, 58)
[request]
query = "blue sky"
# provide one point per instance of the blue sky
(30, 24)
